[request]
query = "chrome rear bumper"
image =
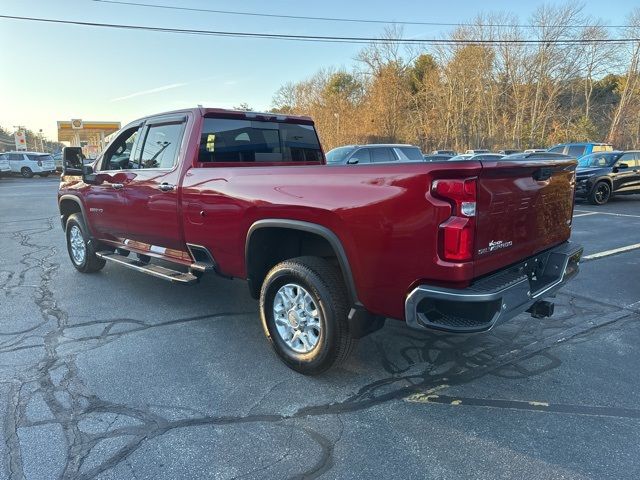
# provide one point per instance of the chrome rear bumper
(495, 298)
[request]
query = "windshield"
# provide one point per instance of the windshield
(465, 156)
(337, 155)
(598, 160)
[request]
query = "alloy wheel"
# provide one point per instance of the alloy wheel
(297, 318)
(78, 247)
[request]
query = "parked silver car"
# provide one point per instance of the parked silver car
(374, 153)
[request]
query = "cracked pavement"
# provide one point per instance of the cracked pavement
(118, 375)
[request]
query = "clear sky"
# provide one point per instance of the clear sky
(58, 72)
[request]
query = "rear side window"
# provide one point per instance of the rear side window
(411, 153)
(35, 158)
(230, 140)
(161, 145)
(15, 156)
(576, 150)
(381, 154)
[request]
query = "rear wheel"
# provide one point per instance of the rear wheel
(80, 246)
(600, 194)
(304, 307)
(26, 172)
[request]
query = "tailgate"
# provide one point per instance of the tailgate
(524, 207)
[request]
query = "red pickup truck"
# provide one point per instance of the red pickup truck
(330, 251)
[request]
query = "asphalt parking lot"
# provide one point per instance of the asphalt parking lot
(118, 375)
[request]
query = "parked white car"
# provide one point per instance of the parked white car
(29, 164)
(5, 168)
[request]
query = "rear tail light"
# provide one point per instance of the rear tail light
(457, 233)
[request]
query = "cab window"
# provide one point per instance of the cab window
(161, 145)
(118, 155)
(247, 141)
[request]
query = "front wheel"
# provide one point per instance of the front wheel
(26, 172)
(600, 194)
(80, 246)
(304, 307)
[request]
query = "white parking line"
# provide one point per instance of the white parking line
(606, 253)
(585, 212)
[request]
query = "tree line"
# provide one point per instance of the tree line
(498, 93)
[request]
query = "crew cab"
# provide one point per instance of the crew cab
(330, 252)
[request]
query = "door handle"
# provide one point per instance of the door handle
(117, 186)
(166, 187)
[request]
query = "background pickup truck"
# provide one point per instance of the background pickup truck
(330, 251)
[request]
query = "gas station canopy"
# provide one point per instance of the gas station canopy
(88, 135)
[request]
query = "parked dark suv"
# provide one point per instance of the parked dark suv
(601, 175)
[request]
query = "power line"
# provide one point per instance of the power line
(336, 19)
(321, 38)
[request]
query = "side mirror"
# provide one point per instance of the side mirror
(87, 174)
(72, 161)
(623, 165)
(352, 161)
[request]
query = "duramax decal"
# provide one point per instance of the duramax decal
(495, 245)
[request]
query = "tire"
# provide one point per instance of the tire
(26, 172)
(315, 283)
(600, 193)
(78, 236)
